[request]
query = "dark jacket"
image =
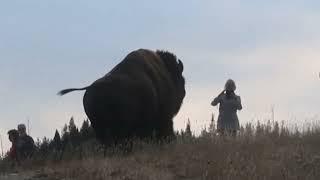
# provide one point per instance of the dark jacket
(25, 146)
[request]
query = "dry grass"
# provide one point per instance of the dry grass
(268, 155)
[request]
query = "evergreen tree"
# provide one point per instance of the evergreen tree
(56, 142)
(44, 146)
(65, 135)
(212, 126)
(285, 132)
(259, 129)
(276, 129)
(86, 131)
(73, 132)
(72, 127)
(188, 129)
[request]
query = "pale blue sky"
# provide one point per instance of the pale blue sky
(271, 49)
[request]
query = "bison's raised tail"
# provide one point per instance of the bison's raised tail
(65, 91)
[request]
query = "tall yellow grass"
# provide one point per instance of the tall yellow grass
(264, 152)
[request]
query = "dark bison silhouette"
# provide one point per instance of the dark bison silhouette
(138, 98)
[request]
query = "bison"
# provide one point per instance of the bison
(138, 98)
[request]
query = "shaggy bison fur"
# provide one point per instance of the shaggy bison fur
(138, 98)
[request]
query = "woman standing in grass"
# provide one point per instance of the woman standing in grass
(228, 122)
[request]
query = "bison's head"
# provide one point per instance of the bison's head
(175, 68)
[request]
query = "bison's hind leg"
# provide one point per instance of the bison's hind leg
(164, 130)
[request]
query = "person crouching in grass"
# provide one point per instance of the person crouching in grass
(13, 152)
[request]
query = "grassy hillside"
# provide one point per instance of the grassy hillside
(263, 152)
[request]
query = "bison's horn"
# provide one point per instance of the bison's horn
(180, 66)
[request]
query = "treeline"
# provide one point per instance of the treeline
(270, 128)
(70, 135)
(70, 139)
(75, 142)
